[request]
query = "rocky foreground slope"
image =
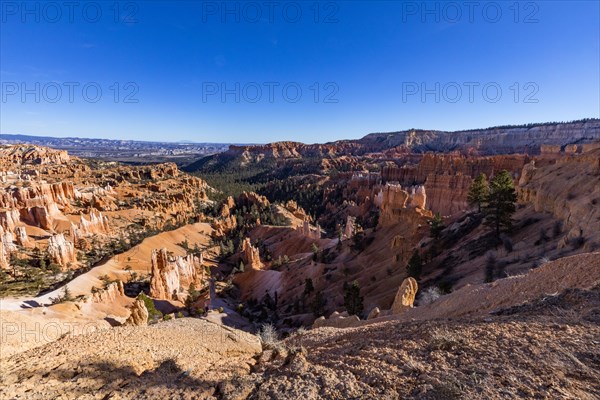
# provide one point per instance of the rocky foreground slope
(545, 346)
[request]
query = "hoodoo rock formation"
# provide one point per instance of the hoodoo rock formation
(405, 297)
(95, 225)
(139, 314)
(171, 278)
(308, 231)
(4, 257)
(21, 236)
(250, 255)
(61, 251)
(395, 203)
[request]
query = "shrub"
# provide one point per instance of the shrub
(443, 339)
(55, 268)
(65, 296)
(540, 262)
(268, 336)
(430, 295)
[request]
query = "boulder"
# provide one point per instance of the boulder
(374, 313)
(405, 297)
(337, 320)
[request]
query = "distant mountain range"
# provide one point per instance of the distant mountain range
(129, 151)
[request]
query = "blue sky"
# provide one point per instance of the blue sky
(306, 71)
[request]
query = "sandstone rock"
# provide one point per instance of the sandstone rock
(374, 313)
(96, 224)
(61, 251)
(308, 231)
(250, 255)
(398, 205)
(405, 297)
(9, 219)
(171, 278)
(108, 295)
(550, 149)
(418, 198)
(21, 235)
(336, 320)
(249, 199)
(569, 190)
(223, 226)
(4, 257)
(8, 239)
(349, 227)
(139, 314)
(447, 194)
(24, 154)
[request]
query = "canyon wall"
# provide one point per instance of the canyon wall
(570, 190)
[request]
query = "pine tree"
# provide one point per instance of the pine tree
(67, 296)
(308, 286)
(436, 225)
(318, 305)
(500, 203)
(478, 192)
(415, 265)
(352, 299)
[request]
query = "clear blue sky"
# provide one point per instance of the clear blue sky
(369, 60)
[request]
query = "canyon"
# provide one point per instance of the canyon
(317, 256)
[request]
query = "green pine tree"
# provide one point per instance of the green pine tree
(308, 286)
(415, 265)
(436, 225)
(352, 299)
(318, 305)
(500, 203)
(478, 192)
